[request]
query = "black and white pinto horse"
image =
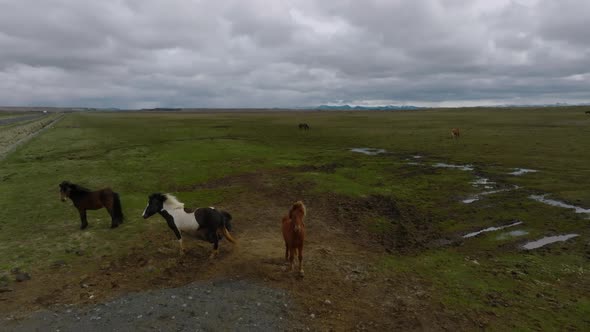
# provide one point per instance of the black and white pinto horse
(207, 224)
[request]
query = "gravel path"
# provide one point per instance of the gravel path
(211, 306)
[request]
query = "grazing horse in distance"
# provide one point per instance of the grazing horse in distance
(455, 133)
(294, 234)
(303, 126)
(207, 224)
(587, 112)
(85, 199)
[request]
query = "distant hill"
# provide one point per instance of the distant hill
(162, 109)
(367, 108)
(544, 105)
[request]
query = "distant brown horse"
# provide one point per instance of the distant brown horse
(85, 199)
(304, 126)
(294, 234)
(455, 133)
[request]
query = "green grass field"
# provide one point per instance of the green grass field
(140, 153)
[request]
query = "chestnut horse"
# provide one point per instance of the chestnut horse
(85, 199)
(294, 234)
(455, 133)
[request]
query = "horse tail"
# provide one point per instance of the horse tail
(228, 235)
(117, 209)
(225, 226)
(227, 220)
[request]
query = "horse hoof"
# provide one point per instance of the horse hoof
(114, 226)
(301, 273)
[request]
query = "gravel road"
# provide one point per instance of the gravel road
(20, 118)
(211, 306)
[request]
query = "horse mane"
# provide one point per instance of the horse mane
(297, 206)
(172, 202)
(78, 188)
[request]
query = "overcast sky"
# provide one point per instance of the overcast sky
(275, 53)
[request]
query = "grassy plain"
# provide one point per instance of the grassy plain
(486, 276)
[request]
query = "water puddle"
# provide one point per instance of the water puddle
(548, 240)
(368, 151)
(515, 233)
(522, 171)
(417, 156)
(491, 229)
(485, 193)
(481, 181)
(459, 167)
(552, 202)
(413, 163)
(470, 200)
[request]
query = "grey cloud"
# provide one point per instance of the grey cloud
(257, 53)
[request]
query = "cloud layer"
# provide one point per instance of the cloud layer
(258, 53)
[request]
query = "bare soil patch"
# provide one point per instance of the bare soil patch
(343, 289)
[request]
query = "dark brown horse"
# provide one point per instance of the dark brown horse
(294, 234)
(304, 126)
(85, 199)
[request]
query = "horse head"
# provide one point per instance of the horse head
(155, 204)
(296, 214)
(65, 188)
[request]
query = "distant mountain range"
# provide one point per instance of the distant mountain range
(369, 108)
(411, 107)
(542, 105)
(344, 107)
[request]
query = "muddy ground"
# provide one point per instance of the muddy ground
(343, 287)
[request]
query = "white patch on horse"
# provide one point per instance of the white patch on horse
(172, 203)
(185, 222)
(212, 207)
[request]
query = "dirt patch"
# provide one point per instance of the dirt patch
(342, 290)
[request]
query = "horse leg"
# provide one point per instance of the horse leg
(182, 250)
(114, 222)
(291, 258)
(215, 239)
(286, 252)
(300, 256)
(83, 220)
